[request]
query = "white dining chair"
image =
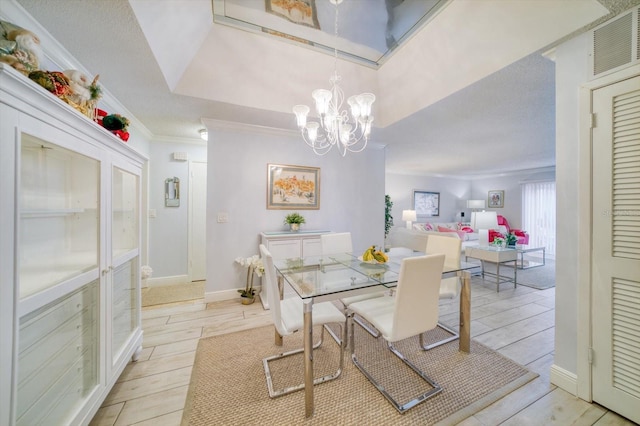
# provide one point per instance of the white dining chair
(411, 312)
(336, 244)
(287, 318)
(451, 247)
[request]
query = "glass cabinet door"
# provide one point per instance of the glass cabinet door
(58, 358)
(125, 304)
(59, 214)
(124, 243)
(125, 196)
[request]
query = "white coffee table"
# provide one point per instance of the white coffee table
(524, 248)
(497, 255)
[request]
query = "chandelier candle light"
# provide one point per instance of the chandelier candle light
(336, 127)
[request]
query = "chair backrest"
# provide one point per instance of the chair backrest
(417, 296)
(450, 247)
(339, 242)
(273, 293)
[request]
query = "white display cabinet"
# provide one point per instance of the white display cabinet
(287, 244)
(69, 271)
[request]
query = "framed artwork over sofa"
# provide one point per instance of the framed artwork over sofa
(426, 203)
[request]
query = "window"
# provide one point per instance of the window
(539, 214)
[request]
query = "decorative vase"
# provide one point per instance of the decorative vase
(247, 300)
(295, 227)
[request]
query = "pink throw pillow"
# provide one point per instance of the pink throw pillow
(461, 234)
(466, 229)
(428, 227)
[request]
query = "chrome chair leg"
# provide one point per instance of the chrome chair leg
(342, 341)
(454, 336)
(333, 334)
(396, 404)
(273, 393)
(369, 329)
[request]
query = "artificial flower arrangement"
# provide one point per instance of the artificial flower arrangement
(72, 87)
(507, 240)
(254, 266)
(115, 123)
(498, 241)
(20, 48)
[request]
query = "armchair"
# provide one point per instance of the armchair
(504, 228)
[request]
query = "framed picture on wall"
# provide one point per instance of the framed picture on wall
(495, 199)
(302, 12)
(293, 187)
(426, 203)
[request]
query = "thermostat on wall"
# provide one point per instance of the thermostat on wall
(180, 156)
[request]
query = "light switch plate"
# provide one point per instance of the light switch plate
(223, 217)
(152, 213)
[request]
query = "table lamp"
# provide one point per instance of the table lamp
(409, 216)
(475, 204)
(482, 222)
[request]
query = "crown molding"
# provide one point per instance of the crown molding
(234, 126)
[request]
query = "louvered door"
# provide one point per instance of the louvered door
(616, 248)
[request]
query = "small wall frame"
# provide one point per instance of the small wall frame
(495, 199)
(172, 192)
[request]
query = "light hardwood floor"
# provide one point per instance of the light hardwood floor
(518, 323)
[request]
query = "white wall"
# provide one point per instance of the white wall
(571, 72)
(512, 186)
(168, 231)
(454, 194)
(351, 198)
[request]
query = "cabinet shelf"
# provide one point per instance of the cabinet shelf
(49, 213)
(35, 278)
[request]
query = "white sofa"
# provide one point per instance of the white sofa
(416, 238)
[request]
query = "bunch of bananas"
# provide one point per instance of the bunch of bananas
(372, 254)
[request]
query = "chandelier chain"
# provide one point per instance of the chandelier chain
(348, 133)
(335, 46)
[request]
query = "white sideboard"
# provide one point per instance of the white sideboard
(69, 271)
(287, 244)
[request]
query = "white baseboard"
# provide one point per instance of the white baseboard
(564, 379)
(160, 281)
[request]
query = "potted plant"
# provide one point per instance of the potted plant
(294, 220)
(511, 239)
(254, 267)
(388, 219)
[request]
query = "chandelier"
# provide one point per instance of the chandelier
(336, 127)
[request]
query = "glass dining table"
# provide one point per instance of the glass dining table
(329, 277)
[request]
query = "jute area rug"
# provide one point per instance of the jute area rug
(228, 385)
(160, 295)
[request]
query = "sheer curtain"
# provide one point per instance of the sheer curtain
(539, 214)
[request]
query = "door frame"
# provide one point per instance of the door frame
(190, 219)
(585, 231)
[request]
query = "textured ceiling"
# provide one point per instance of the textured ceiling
(147, 52)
